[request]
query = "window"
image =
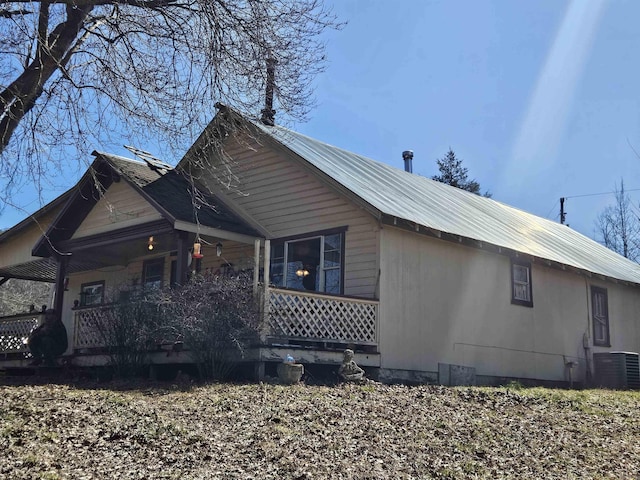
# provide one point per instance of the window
(152, 273)
(92, 293)
(521, 291)
(600, 314)
(312, 263)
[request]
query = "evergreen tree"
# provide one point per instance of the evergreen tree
(453, 173)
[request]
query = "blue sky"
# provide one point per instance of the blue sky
(539, 98)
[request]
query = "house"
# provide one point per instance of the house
(424, 281)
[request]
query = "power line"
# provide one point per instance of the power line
(602, 193)
(563, 213)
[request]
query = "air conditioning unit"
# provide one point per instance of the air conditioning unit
(617, 370)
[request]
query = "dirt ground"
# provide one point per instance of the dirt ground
(268, 431)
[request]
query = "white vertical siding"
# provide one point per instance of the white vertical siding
(447, 303)
(285, 199)
(120, 206)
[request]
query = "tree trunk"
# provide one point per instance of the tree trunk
(20, 97)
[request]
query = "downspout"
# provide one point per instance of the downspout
(586, 342)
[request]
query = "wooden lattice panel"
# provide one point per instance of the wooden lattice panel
(15, 331)
(87, 331)
(319, 317)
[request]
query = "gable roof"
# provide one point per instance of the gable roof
(442, 209)
(175, 196)
(166, 189)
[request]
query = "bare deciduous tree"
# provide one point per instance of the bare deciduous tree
(76, 74)
(18, 296)
(618, 227)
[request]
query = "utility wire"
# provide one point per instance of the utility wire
(602, 193)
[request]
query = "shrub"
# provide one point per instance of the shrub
(217, 318)
(129, 330)
(214, 318)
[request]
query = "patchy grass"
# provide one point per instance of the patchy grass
(229, 431)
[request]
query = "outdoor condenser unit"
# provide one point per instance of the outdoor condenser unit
(617, 370)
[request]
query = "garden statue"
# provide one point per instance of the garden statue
(48, 340)
(349, 371)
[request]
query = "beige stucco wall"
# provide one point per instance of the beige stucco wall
(283, 199)
(442, 302)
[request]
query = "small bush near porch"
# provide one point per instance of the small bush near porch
(224, 431)
(213, 319)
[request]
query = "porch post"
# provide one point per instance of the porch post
(265, 297)
(267, 262)
(256, 265)
(61, 273)
(181, 259)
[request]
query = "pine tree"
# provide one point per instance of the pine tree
(453, 173)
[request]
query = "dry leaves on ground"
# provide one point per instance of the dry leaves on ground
(264, 431)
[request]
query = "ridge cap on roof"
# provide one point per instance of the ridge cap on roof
(97, 153)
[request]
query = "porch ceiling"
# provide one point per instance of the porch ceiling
(44, 269)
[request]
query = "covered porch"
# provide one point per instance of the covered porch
(97, 271)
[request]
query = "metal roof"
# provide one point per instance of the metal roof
(447, 209)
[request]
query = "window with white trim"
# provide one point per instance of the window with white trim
(314, 263)
(600, 316)
(521, 289)
(153, 273)
(92, 293)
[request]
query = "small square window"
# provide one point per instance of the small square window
(92, 293)
(521, 290)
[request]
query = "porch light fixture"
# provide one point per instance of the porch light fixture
(150, 243)
(197, 247)
(218, 249)
(302, 272)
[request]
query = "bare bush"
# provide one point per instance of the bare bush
(217, 318)
(129, 330)
(213, 318)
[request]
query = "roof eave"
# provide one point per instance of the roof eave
(497, 249)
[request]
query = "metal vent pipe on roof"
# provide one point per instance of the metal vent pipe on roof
(407, 156)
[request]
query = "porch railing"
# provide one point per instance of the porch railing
(86, 322)
(314, 316)
(15, 330)
(288, 314)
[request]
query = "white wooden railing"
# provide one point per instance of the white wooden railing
(288, 314)
(86, 322)
(314, 316)
(15, 330)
